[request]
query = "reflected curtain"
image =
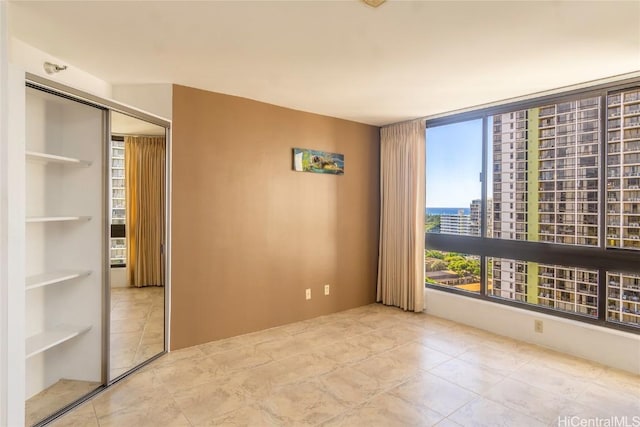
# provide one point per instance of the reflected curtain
(402, 200)
(145, 202)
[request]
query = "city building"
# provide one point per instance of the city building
(475, 215)
(459, 223)
(545, 188)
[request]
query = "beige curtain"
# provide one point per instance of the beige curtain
(402, 198)
(144, 159)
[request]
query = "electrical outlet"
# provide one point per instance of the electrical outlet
(537, 326)
(326, 289)
(308, 293)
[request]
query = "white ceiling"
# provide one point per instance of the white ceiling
(127, 125)
(402, 60)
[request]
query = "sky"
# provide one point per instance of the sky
(454, 163)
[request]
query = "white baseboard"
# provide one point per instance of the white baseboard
(614, 348)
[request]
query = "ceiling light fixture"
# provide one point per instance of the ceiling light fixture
(51, 68)
(374, 3)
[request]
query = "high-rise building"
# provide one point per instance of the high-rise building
(455, 223)
(623, 170)
(545, 163)
(623, 200)
(475, 212)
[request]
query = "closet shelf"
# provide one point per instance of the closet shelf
(51, 338)
(57, 218)
(53, 277)
(53, 158)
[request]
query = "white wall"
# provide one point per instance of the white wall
(610, 347)
(12, 293)
(32, 60)
(12, 249)
(4, 140)
(119, 277)
(154, 98)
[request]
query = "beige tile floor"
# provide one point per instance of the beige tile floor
(137, 326)
(370, 366)
(54, 397)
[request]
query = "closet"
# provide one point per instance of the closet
(67, 247)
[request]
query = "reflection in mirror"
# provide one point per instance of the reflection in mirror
(137, 224)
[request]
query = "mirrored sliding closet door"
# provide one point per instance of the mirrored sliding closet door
(95, 244)
(137, 227)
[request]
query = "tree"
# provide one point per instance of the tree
(436, 265)
(431, 223)
(434, 254)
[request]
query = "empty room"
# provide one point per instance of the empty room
(319, 213)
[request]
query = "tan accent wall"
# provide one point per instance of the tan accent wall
(249, 234)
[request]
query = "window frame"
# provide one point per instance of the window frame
(598, 258)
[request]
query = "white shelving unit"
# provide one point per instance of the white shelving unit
(48, 339)
(53, 277)
(57, 218)
(52, 158)
(65, 213)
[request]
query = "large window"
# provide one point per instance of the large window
(118, 244)
(555, 221)
(454, 157)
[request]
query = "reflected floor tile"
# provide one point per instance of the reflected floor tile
(126, 325)
(137, 326)
(485, 413)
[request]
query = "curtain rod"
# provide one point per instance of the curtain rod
(137, 135)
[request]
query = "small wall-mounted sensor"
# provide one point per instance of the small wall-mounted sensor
(51, 68)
